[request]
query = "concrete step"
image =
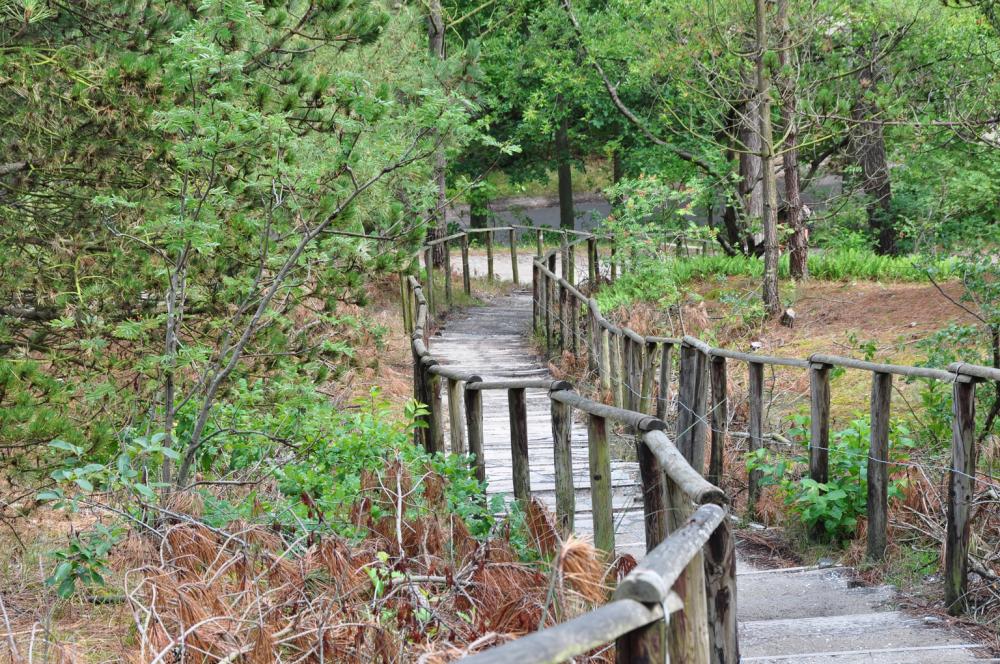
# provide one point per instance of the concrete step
(806, 593)
(932, 655)
(853, 633)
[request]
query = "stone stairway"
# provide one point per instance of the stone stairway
(799, 615)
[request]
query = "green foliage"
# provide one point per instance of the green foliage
(84, 560)
(832, 507)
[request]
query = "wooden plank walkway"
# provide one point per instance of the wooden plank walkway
(493, 342)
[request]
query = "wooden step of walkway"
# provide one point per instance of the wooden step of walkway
(797, 616)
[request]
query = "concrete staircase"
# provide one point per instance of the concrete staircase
(815, 616)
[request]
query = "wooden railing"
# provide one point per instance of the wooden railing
(626, 363)
(681, 598)
(689, 569)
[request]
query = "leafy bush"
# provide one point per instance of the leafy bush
(831, 507)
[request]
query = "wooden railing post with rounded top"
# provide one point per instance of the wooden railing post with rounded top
(719, 418)
(878, 465)
(489, 254)
(599, 457)
(455, 428)
(517, 407)
(429, 285)
(756, 389)
(466, 275)
(562, 428)
(474, 427)
(513, 257)
(960, 493)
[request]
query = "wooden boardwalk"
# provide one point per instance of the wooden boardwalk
(494, 342)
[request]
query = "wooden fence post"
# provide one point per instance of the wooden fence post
(562, 428)
(614, 264)
(878, 465)
(455, 429)
(655, 503)
(564, 255)
(489, 255)
(600, 484)
(563, 323)
(646, 388)
(466, 276)
(593, 268)
(571, 263)
(437, 428)
(517, 408)
(447, 274)
(551, 302)
(536, 301)
(605, 359)
(720, 579)
(644, 645)
(421, 435)
(692, 400)
(819, 428)
(663, 393)
(688, 630)
(404, 300)
(574, 324)
(719, 418)
(474, 425)
(960, 494)
(756, 442)
(538, 242)
(429, 285)
(617, 370)
(513, 256)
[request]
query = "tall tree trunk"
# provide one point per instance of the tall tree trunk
(566, 217)
(868, 139)
(751, 180)
(769, 218)
(435, 45)
(617, 166)
(798, 246)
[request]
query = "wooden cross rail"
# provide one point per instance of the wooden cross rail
(690, 565)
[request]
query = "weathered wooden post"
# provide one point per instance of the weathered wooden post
(599, 456)
(455, 429)
(489, 255)
(605, 359)
(646, 397)
(617, 340)
(429, 282)
(447, 274)
(756, 442)
(960, 493)
(517, 407)
(574, 324)
(552, 302)
(513, 256)
(564, 255)
(436, 428)
(570, 262)
(692, 400)
(819, 428)
(593, 268)
(562, 427)
(655, 502)
(719, 419)
(878, 465)
(663, 393)
(536, 292)
(474, 424)
(404, 301)
(466, 275)
(562, 315)
(720, 579)
(538, 243)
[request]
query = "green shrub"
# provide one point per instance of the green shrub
(833, 507)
